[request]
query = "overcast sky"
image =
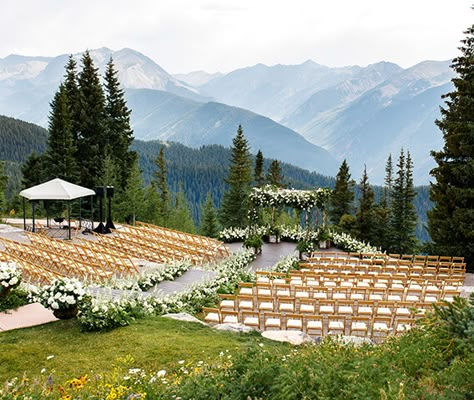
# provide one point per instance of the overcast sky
(222, 35)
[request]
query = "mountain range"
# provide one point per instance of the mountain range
(310, 115)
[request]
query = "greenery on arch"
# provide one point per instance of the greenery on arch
(270, 196)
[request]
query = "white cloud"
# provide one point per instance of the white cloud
(185, 35)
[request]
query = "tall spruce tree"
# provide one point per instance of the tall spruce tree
(382, 234)
(131, 200)
(234, 206)
(92, 126)
(180, 217)
(451, 221)
(342, 197)
(33, 170)
(119, 132)
(3, 185)
(403, 217)
(387, 191)
(72, 95)
(365, 216)
(161, 186)
(259, 177)
(209, 225)
(60, 160)
(275, 175)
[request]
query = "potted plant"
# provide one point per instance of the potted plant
(255, 242)
(10, 277)
(324, 238)
(62, 297)
(275, 233)
(304, 246)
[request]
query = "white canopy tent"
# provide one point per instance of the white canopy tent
(55, 189)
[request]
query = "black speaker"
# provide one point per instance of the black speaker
(110, 191)
(99, 192)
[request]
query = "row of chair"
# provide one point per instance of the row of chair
(356, 307)
(208, 247)
(144, 242)
(375, 327)
(302, 278)
(316, 255)
(120, 264)
(53, 260)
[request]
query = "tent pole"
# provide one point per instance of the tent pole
(92, 213)
(46, 206)
(24, 215)
(33, 206)
(80, 218)
(69, 219)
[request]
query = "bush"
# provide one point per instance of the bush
(18, 297)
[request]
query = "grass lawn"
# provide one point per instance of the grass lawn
(154, 343)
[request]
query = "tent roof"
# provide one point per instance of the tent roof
(56, 189)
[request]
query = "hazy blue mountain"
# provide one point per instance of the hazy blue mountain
(27, 84)
(164, 116)
(399, 112)
(358, 113)
(197, 78)
(342, 93)
(277, 90)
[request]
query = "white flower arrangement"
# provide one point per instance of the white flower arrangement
(346, 242)
(62, 294)
(10, 275)
(152, 275)
(269, 196)
(233, 234)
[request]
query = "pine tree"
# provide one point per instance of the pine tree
(92, 126)
(180, 217)
(151, 207)
(32, 170)
(258, 173)
(72, 95)
(60, 161)
(365, 216)
(234, 207)
(209, 224)
(451, 221)
(275, 176)
(160, 184)
(403, 216)
(343, 195)
(119, 133)
(131, 200)
(382, 228)
(3, 185)
(387, 192)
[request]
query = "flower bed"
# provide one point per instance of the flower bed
(10, 277)
(105, 313)
(151, 276)
(346, 242)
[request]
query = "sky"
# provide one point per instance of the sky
(223, 35)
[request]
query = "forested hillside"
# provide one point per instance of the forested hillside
(18, 139)
(203, 170)
(199, 171)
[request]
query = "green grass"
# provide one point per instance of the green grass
(154, 343)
